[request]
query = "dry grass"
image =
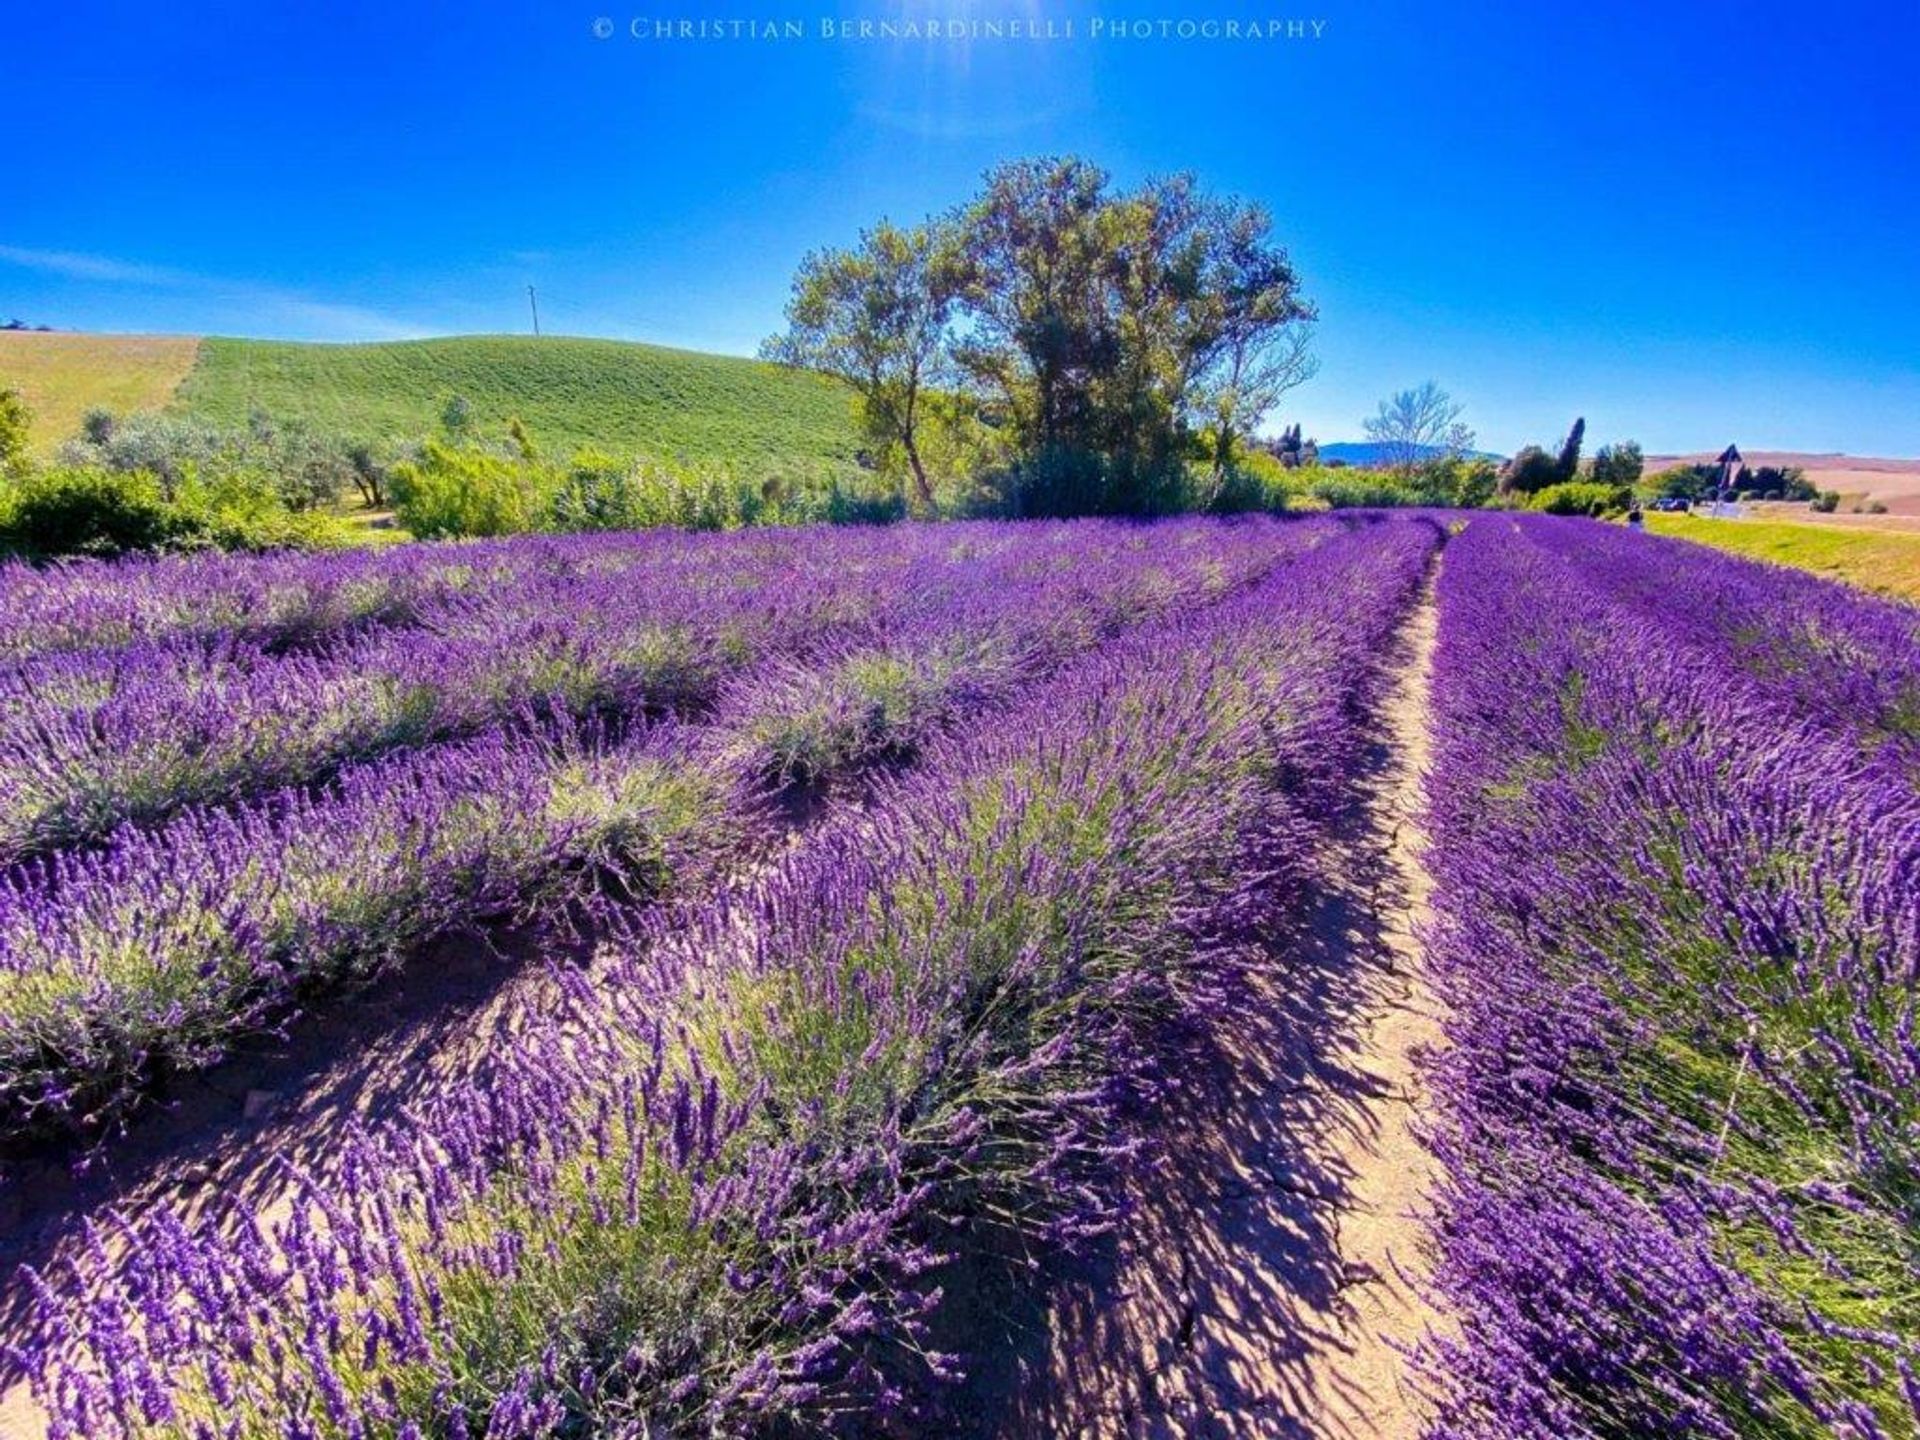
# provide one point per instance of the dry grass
(1883, 560)
(64, 375)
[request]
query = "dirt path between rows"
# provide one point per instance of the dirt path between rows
(1268, 1280)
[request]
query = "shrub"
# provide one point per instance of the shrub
(1582, 497)
(15, 421)
(1686, 482)
(64, 511)
(309, 471)
(1056, 481)
(1255, 480)
(1826, 502)
(305, 469)
(1532, 470)
(450, 491)
(1456, 482)
(163, 446)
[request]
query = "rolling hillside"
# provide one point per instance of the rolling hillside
(620, 397)
(1857, 478)
(63, 376)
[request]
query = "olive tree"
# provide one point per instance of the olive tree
(877, 317)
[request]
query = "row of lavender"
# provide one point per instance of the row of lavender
(720, 1188)
(156, 950)
(97, 738)
(287, 601)
(1676, 844)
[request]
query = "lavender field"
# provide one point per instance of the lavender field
(875, 917)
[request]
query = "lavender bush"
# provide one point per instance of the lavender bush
(1678, 923)
(279, 601)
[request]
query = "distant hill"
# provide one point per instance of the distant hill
(1366, 453)
(1859, 479)
(610, 394)
(64, 375)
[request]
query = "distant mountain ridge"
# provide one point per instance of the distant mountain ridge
(1367, 453)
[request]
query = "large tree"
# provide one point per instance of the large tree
(1110, 323)
(1619, 465)
(1097, 327)
(1419, 425)
(877, 316)
(1040, 330)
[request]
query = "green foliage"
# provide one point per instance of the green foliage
(307, 471)
(1686, 482)
(1459, 482)
(60, 511)
(1620, 464)
(449, 492)
(522, 439)
(876, 316)
(1454, 483)
(1532, 470)
(16, 422)
(1567, 468)
(1349, 489)
(1582, 497)
(53, 511)
(1774, 482)
(623, 398)
(454, 490)
(1826, 502)
(456, 417)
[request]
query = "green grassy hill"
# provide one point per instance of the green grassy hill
(615, 396)
(619, 397)
(64, 375)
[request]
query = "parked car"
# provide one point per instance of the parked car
(1669, 502)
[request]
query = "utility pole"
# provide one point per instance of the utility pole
(535, 304)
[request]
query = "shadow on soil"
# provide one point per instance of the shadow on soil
(1220, 1307)
(219, 1135)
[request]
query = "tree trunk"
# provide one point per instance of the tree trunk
(920, 481)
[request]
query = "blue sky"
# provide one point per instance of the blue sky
(1691, 222)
